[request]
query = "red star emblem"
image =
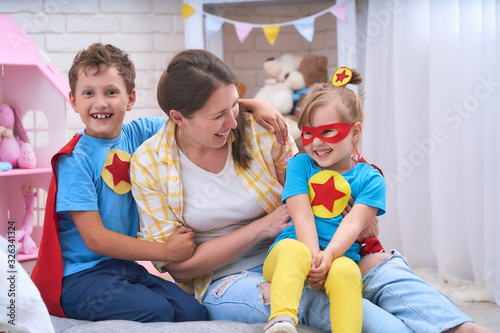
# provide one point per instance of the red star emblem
(341, 77)
(119, 169)
(326, 194)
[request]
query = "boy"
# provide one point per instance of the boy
(95, 217)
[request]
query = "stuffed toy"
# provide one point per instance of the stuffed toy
(242, 89)
(283, 79)
(15, 148)
(314, 69)
(23, 234)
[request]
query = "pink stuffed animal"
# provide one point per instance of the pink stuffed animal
(14, 142)
(23, 234)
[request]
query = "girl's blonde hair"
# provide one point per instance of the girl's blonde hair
(348, 104)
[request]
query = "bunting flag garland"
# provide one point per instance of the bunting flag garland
(305, 26)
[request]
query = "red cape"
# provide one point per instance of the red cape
(48, 271)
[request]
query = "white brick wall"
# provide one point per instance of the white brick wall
(152, 31)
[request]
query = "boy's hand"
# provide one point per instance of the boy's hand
(180, 245)
(268, 117)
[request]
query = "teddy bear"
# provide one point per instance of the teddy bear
(15, 149)
(23, 234)
(313, 68)
(283, 79)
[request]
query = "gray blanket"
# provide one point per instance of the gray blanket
(120, 326)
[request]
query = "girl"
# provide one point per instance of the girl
(317, 188)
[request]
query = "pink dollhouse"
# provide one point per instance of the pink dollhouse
(31, 83)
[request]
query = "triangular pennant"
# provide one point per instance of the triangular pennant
(186, 10)
(340, 11)
(242, 30)
(212, 25)
(271, 32)
(306, 28)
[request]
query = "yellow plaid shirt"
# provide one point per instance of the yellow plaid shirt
(157, 187)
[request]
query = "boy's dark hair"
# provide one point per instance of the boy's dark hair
(188, 82)
(99, 54)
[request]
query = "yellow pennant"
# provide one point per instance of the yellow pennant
(186, 10)
(271, 32)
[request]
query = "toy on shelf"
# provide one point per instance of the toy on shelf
(313, 68)
(5, 166)
(23, 234)
(15, 148)
(283, 79)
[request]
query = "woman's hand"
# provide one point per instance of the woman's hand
(274, 222)
(268, 117)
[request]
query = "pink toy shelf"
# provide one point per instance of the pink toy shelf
(29, 81)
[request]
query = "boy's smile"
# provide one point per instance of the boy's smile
(102, 101)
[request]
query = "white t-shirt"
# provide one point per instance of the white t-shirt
(215, 204)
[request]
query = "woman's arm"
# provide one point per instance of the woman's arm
(268, 117)
(221, 251)
(109, 243)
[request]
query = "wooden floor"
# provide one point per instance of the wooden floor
(483, 313)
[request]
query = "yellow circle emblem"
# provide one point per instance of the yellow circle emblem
(329, 193)
(115, 172)
(342, 76)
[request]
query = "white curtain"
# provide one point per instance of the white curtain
(432, 97)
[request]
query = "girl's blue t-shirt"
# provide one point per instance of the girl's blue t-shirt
(367, 187)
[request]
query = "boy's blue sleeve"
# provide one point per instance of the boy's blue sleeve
(75, 186)
(144, 128)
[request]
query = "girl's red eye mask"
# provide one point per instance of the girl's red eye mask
(331, 133)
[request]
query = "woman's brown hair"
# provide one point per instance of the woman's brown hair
(189, 80)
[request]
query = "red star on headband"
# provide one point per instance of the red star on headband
(326, 194)
(119, 169)
(341, 77)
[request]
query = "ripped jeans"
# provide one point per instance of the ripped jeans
(395, 299)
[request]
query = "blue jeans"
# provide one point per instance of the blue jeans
(121, 289)
(395, 300)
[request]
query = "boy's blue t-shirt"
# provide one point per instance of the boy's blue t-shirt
(96, 178)
(367, 187)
